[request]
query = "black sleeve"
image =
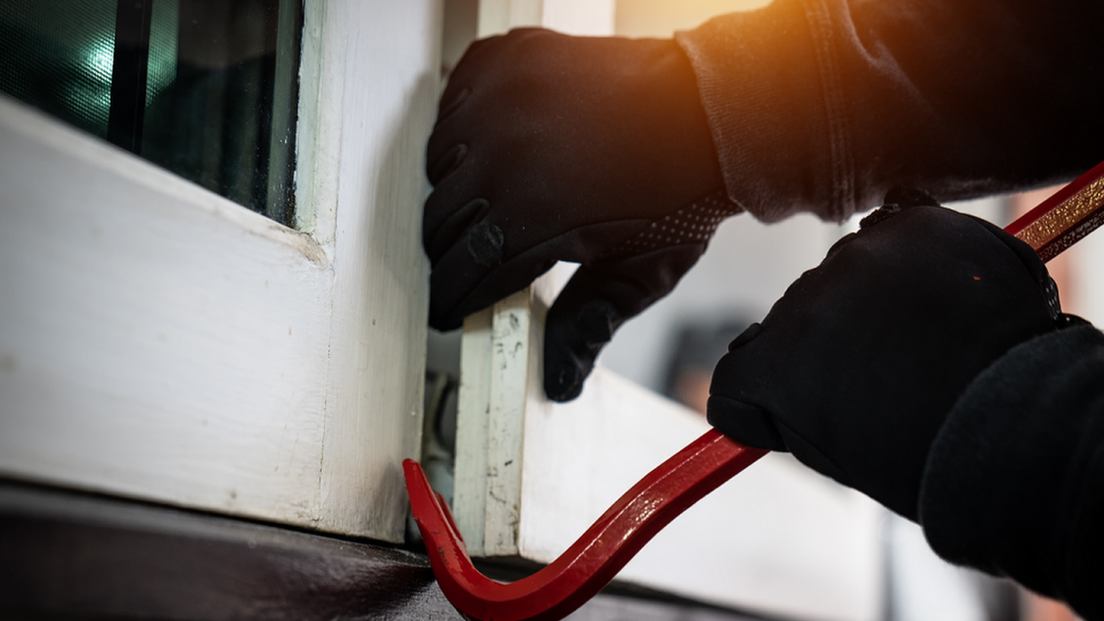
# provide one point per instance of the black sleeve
(823, 105)
(1014, 483)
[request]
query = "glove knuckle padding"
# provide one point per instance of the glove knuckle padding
(858, 363)
(550, 147)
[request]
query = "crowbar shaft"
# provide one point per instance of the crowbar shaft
(676, 484)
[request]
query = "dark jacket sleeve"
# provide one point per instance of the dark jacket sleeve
(1014, 483)
(823, 105)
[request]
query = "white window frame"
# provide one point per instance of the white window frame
(158, 341)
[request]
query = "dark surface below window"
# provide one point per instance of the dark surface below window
(205, 88)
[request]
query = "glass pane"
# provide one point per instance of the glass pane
(204, 88)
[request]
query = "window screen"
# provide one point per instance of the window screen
(205, 88)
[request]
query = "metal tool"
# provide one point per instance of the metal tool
(596, 557)
(1066, 217)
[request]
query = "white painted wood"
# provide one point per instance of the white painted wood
(777, 539)
(580, 17)
(499, 16)
(577, 17)
(473, 417)
(318, 128)
(380, 301)
(1087, 257)
(662, 18)
(533, 475)
(486, 437)
(510, 364)
(500, 365)
(497, 358)
(160, 342)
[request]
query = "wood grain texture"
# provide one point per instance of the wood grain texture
(381, 296)
(473, 411)
(162, 341)
(511, 348)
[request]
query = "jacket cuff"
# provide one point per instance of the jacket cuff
(759, 77)
(1014, 483)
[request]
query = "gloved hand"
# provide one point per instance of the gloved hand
(856, 367)
(549, 147)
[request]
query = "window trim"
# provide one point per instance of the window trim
(161, 342)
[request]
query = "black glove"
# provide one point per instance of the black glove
(549, 147)
(856, 367)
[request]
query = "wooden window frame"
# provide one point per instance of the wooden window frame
(161, 342)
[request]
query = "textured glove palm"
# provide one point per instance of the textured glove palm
(856, 367)
(549, 147)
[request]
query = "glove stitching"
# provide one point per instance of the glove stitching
(695, 223)
(823, 32)
(714, 206)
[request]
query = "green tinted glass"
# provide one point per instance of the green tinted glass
(204, 88)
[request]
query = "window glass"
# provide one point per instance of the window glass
(204, 88)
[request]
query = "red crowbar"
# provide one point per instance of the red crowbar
(596, 557)
(592, 561)
(1066, 217)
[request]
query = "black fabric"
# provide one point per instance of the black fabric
(549, 147)
(1015, 481)
(855, 368)
(823, 105)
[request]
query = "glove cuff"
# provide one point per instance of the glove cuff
(1013, 483)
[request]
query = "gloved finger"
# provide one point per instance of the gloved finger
(437, 168)
(472, 274)
(744, 422)
(739, 418)
(732, 411)
(473, 62)
(458, 271)
(474, 84)
(438, 238)
(449, 144)
(485, 260)
(595, 302)
(757, 427)
(451, 101)
(456, 202)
